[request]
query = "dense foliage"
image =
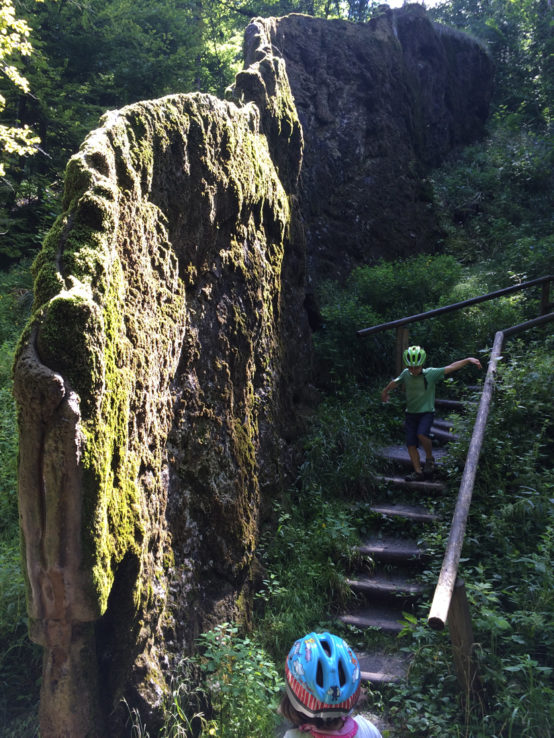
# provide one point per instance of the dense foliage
(519, 36)
(19, 659)
(495, 201)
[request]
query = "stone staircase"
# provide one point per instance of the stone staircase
(383, 580)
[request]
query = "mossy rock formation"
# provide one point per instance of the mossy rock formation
(379, 103)
(160, 379)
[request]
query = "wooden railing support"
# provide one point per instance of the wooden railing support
(449, 572)
(546, 305)
(461, 636)
(402, 343)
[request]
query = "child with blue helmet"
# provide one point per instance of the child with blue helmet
(322, 686)
(420, 404)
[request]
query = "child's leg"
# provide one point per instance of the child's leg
(427, 446)
(414, 457)
(424, 434)
(412, 423)
(424, 437)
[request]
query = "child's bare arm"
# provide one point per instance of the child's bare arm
(385, 393)
(460, 363)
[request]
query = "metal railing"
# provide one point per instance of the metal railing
(402, 336)
(449, 603)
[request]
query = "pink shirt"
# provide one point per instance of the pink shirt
(358, 727)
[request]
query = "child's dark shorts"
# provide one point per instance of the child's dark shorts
(418, 424)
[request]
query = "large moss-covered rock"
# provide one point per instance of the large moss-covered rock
(153, 390)
(379, 103)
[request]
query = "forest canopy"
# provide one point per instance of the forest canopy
(93, 56)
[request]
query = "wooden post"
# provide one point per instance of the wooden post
(402, 342)
(545, 299)
(461, 635)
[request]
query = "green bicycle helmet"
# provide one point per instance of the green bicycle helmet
(414, 356)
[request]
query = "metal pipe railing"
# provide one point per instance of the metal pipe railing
(545, 305)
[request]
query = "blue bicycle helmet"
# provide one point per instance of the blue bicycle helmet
(322, 676)
(414, 356)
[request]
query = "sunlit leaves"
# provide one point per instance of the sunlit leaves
(242, 682)
(519, 36)
(14, 43)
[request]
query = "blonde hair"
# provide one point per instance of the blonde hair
(297, 718)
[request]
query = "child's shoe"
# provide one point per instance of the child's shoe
(429, 467)
(415, 477)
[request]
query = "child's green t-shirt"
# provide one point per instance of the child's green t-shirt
(419, 397)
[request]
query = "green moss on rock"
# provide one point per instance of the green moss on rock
(158, 321)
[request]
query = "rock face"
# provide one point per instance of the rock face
(159, 380)
(379, 104)
(155, 387)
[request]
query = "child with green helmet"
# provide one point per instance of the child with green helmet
(420, 404)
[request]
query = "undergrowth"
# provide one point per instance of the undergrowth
(19, 659)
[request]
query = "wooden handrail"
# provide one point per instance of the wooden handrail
(545, 305)
(450, 602)
(449, 572)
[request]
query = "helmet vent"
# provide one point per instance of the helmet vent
(342, 674)
(319, 675)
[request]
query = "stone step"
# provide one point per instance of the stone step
(391, 549)
(388, 619)
(399, 455)
(426, 484)
(443, 435)
(411, 512)
(456, 405)
(444, 424)
(386, 585)
(382, 668)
